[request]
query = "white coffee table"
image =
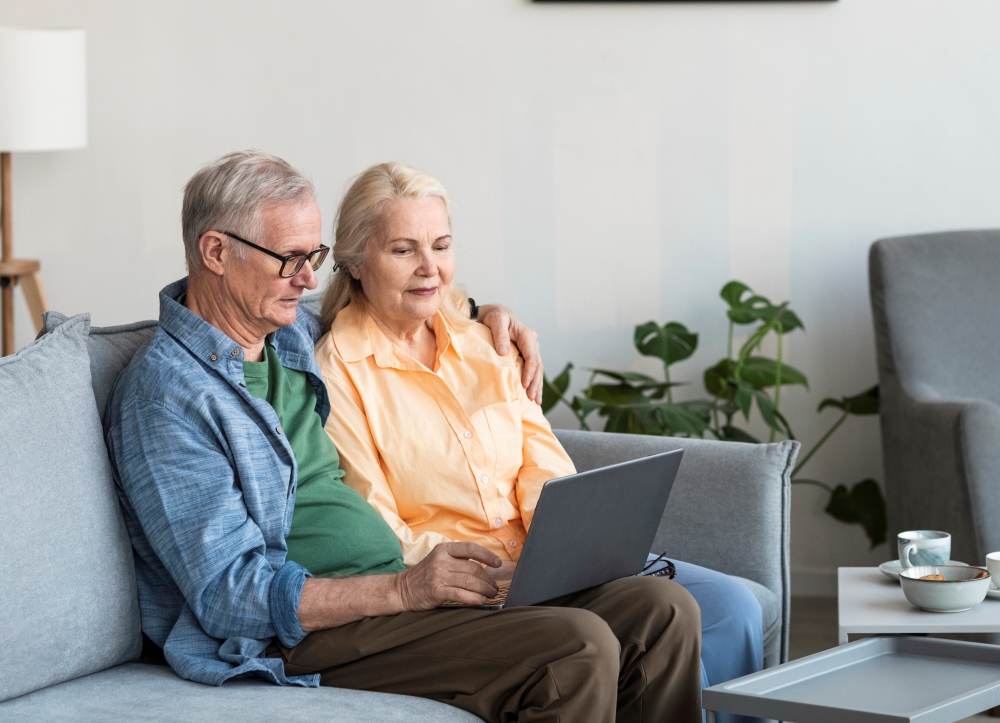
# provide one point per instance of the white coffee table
(869, 602)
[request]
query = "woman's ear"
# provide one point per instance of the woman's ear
(354, 272)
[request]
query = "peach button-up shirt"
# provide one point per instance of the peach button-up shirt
(457, 452)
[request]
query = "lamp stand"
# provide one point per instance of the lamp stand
(24, 271)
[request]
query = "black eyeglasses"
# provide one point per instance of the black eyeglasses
(668, 570)
(290, 265)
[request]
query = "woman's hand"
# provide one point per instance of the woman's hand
(450, 573)
(508, 328)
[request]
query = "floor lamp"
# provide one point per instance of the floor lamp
(43, 107)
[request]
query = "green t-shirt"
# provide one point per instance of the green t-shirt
(335, 532)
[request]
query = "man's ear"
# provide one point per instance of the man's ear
(213, 247)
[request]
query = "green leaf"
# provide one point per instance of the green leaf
(741, 316)
(785, 424)
(649, 422)
(862, 504)
(680, 420)
(618, 421)
(553, 390)
(626, 376)
(755, 339)
(584, 406)
(732, 292)
(672, 342)
(744, 398)
(614, 394)
(861, 404)
(701, 407)
(717, 379)
(766, 407)
(763, 372)
(735, 434)
(790, 321)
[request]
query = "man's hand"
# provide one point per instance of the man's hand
(508, 328)
(450, 573)
(504, 572)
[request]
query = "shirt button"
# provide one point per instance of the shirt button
(484, 479)
(214, 358)
(278, 430)
(468, 435)
(236, 352)
(513, 543)
(498, 522)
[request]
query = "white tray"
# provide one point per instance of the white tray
(893, 679)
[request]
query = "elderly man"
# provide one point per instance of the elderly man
(209, 430)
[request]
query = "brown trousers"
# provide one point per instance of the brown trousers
(625, 651)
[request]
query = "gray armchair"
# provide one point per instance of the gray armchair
(936, 301)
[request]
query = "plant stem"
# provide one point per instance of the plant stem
(777, 379)
(813, 482)
(819, 444)
(729, 347)
(666, 376)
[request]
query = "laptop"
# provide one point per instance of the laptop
(589, 528)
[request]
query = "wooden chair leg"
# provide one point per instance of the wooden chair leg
(34, 294)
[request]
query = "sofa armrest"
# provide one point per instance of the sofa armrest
(729, 508)
(942, 465)
(979, 437)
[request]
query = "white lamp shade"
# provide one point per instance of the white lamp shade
(43, 89)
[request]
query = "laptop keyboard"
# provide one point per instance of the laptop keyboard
(499, 599)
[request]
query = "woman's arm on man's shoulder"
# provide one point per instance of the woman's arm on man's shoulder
(507, 328)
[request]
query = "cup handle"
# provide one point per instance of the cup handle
(904, 555)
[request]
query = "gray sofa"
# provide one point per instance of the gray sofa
(70, 623)
(935, 302)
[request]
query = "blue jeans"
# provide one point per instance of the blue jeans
(732, 638)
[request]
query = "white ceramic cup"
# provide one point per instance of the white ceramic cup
(924, 547)
(993, 565)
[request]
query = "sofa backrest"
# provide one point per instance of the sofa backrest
(68, 603)
(112, 347)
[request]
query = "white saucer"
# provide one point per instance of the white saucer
(995, 594)
(891, 570)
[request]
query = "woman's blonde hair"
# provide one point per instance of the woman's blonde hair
(359, 219)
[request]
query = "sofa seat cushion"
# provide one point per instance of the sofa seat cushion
(68, 602)
(154, 694)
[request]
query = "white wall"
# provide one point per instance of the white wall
(609, 163)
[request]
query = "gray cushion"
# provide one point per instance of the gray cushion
(68, 604)
(153, 694)
(111, 349)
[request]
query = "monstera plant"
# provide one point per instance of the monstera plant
(743, 381)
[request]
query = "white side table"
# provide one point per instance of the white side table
(869, 602)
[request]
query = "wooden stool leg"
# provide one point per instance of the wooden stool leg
(7, 320)
(34, 294)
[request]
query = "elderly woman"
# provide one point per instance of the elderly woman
(433, 427)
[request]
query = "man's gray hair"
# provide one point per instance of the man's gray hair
(229, 193)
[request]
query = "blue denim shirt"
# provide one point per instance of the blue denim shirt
(207, 481)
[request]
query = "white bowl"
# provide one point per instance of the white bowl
(957, 592)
